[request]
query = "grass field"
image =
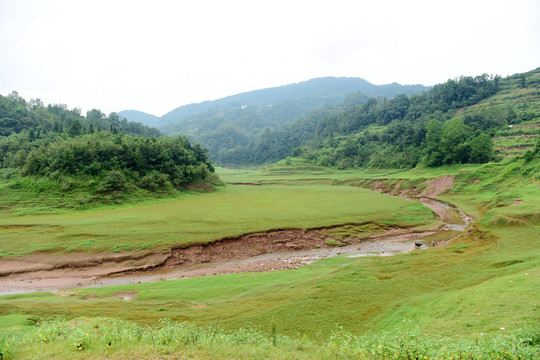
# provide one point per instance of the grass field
(204, 217)
(477, 297)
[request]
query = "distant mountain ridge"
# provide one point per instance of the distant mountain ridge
(326, 89)
(142, 117)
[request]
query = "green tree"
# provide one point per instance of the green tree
(434, 156)
(453, 141)
(113, 181)
(57, 127)
(481, 149)
(75, 129)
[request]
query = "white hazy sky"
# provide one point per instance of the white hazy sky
(156, 55)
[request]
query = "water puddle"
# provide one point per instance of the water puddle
(457, 227)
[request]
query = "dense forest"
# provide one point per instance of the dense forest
(394, 133)
(98, 153)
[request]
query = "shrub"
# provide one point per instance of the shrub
(113, 181)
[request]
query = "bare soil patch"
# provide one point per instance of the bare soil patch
(129, 295)
(51, 272)
(245, 183)
(438, 186)
(287, 246)
(201, 306)
(385, 245)
(248, 246)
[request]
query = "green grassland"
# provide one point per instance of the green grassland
(204, 217)
(475, 297)
(34, 195)
(85, 338)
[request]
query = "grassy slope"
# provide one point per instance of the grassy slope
(204, 217)
(482, 282)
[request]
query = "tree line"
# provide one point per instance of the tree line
(102, 153)
(17, 115)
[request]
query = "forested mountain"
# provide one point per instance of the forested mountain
(314, 93)
(440, 126)
(53, 150)
(236, 120)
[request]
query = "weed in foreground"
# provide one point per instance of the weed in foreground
(106, 336)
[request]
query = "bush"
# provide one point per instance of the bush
(153, 181)
(528, 155)
(113, 181)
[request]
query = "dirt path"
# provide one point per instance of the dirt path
(273, 250)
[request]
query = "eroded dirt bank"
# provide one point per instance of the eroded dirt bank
(51, 272)
(385, 245)
(272, 250)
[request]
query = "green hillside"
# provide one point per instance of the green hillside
(516, 140)
(142, 117)
(451, 123)
(311, 93)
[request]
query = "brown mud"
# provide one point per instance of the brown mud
(256, 252)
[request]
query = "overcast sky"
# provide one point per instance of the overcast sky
(157, 55)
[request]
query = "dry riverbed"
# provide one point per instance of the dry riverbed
(268, 251)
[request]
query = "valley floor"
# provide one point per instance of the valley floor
(479, 287)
